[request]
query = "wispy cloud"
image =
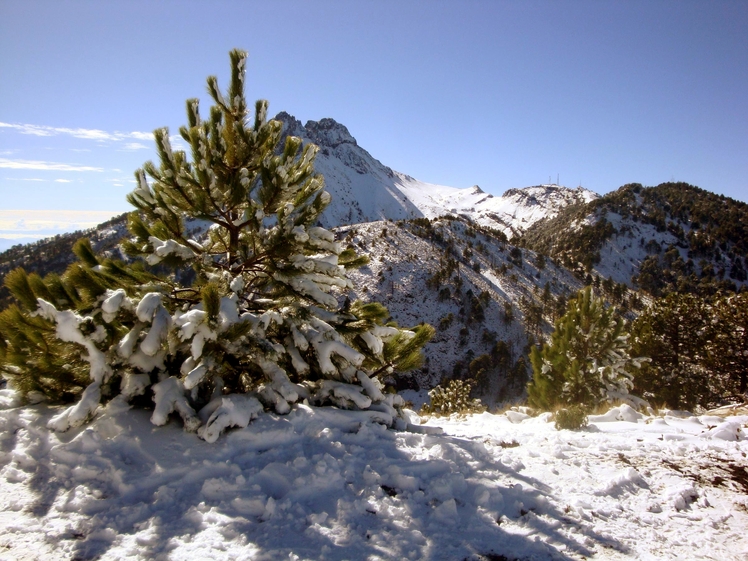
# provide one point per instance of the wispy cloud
(87, 134)
(37, 179)
(134, 146)
(96, 135)
(16, 224)
(46, 166)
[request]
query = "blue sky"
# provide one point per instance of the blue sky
(498, 94)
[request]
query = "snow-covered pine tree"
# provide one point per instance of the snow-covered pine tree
(586, 360)
(231, 301)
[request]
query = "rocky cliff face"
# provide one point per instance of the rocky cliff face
(362, 188)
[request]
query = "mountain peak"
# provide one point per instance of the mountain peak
(324, 133)
(328, 132)
(363, 189)
(291, 125)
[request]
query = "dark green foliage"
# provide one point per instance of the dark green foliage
(669, 332)
(403, 351)
(508, 315)
(211, 298)
(515, 256)
(575, 245)
(540, 260)
(83, 251)
(533, 312)
(698, 347)
(54, 255)
(57, 367)
(493, 374)
(728, 352)
(707, 227)
(17, 281)
(351, 260)
(475, 308)
(446, 321)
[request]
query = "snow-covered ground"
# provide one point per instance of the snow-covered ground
(317, 484)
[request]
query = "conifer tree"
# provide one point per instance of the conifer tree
(586, 359)
(230, 299)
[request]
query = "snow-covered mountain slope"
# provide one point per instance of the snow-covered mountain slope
(512, 213)
(672, 237)
(362, 189)
(518, 209)
(365, 190)
(481, 294)
(318, 484)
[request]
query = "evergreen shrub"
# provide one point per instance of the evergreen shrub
(231, 299)
(587, 360)
(454, 398)
(573, 417)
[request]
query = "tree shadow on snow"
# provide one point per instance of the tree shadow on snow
(25, 444)
(314, 484)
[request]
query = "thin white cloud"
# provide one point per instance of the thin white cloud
(46, 166)
(49, 222)
(87, 134)
(177, 142)
(63, 180)
(142, 135)
(24, 179)
(134, 146)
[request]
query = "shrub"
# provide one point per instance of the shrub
(244, 316)
(586, 360)
(455, 398)
(571, 418)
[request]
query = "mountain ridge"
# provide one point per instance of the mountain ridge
(363, 189)
(491, 273)
(673, 237)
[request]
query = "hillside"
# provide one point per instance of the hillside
(485, 297)
(670, 238)
(362, 189)
(441, 255)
